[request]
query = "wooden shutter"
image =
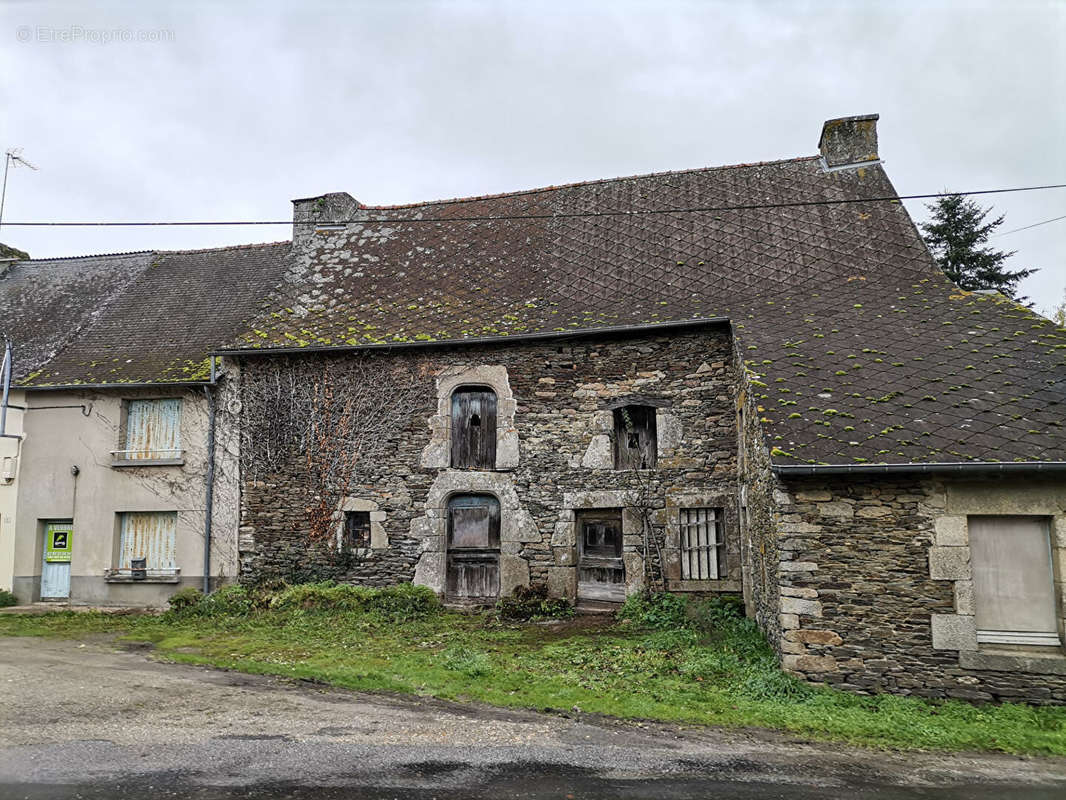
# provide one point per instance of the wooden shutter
(702, 543)
(474, 428)
(149, 535)
(153, 429)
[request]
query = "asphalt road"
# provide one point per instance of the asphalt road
(88, 720)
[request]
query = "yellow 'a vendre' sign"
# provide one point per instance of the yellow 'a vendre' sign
(58, 543)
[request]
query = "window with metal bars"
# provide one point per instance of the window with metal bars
(702, 543)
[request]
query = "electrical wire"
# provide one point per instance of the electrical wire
(1034, 225)
(553, 216)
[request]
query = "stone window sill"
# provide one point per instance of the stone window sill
(123, 576)
(710, 585)
(1051, 663)
(120, 463)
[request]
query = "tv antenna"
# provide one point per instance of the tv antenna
(12, 158)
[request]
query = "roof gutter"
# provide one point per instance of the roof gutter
(967, 467)
(69, 387)
(578, 333)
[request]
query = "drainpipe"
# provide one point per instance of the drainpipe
(209, 500)
(7, 386)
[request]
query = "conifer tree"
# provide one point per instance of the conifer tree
(957, 234)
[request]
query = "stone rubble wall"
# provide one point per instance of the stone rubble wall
(759, 529)
(859, 601)
(562, 391)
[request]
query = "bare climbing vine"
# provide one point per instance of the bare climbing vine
(333, 418)
(641, 502)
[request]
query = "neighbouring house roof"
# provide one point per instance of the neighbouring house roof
(7, 251)
(45, 304)
(132, 318)
(858, 348)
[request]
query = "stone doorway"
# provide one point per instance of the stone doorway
(473, 554)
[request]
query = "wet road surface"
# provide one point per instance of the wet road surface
(91, 720)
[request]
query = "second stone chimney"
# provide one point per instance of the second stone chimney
(315, 216)
(849, 140)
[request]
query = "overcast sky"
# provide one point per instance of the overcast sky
(185, 110)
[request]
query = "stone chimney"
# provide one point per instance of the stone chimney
(318, 216)
(849, 141)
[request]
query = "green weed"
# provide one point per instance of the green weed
(668, 659)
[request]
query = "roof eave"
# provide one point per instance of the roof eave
(68, 387)
(578, 333)
(969, 467)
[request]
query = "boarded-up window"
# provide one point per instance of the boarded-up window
(635, 444)
(356, 529)
(149, 535)
(474, 428)
(1014, 589)
(702, 543)
(473, 548)
(153, 429)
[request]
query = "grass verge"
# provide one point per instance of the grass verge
(664, 659)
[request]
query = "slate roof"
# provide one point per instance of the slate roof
(859, 350)
(132, 318)
(46, 303)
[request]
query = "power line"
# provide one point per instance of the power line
(563, 215)
(1034, 225)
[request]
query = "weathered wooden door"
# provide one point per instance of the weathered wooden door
(473, 549)
(600, 570)
(55, 570)
(474, 428)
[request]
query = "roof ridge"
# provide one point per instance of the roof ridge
(225, 247)
(131, 253)
(593, 182)
(122, 254)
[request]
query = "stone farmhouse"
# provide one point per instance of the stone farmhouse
(749, 379)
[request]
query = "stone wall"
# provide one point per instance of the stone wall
(555, 403)
(760, 527)
(870, 602)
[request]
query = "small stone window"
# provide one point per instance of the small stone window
(634, 437)
(473, 428)
(702, 543)
(356, 533)
(1013, 580)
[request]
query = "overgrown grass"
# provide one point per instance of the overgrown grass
(664, 659)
